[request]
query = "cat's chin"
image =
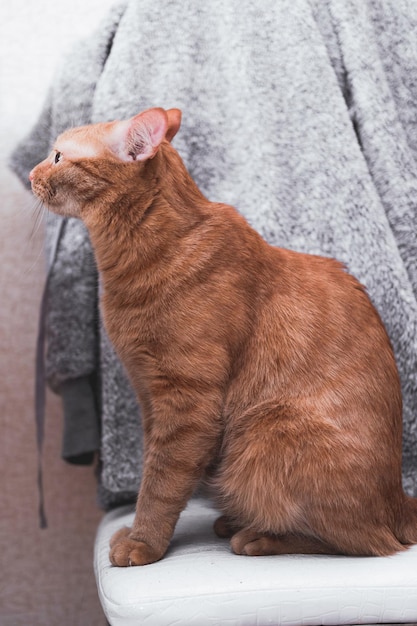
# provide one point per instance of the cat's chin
(42, 192)
(64, 210)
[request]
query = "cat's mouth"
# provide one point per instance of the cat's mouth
(54, 200)
(43, 192)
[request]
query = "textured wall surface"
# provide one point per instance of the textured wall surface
(46, 576)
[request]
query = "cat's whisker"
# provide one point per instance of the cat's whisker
(40, 217)
(36, 260)
(39, 214)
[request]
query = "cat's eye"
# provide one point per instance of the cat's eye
(58, 157)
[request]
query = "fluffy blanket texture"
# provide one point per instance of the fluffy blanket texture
(300, 113)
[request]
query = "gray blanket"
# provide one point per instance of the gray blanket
(302, 114)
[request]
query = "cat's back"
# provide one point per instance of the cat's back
(320, 288)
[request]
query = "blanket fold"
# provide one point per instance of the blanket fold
(302, 114)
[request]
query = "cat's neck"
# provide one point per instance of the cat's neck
(140, 230)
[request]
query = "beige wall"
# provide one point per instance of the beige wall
(46, 576)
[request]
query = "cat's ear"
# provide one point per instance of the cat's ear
(174, 123)
(145, 133)
(139, 138)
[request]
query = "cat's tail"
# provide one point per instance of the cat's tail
(408, 525)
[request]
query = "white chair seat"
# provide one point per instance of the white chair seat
(200, 582)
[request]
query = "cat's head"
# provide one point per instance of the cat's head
(89, 162)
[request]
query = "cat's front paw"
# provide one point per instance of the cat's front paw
(125, 551)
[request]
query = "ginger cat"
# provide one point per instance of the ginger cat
(267, 370)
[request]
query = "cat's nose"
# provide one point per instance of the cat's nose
(31, 176)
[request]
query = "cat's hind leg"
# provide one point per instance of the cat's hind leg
(224, 527)
(259, 482)
(305, 485)
(249, 542)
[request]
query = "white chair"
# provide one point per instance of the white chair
(200, 583)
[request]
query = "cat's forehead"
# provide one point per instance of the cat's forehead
(79, 144)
